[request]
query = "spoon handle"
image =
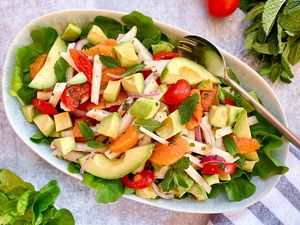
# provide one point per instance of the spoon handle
(265, 113)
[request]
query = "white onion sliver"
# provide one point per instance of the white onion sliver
(143, 95)
(85, 161)
(208, 132)
(79, 44)
(113, 76)
(160, 194)
(198, 134)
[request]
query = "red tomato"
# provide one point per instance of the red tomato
(146, 73)
(141, 180)
(82, 62)
(113, 108)
(166, 55)
(222, 8)
(72, 95)
(172, 108)
(176, 93)
(218, 168)
(229, 101)
(44, 107)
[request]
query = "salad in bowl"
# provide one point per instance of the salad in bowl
(133, 115)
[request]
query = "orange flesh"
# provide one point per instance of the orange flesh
(37, 65)
(104, 104)
(245, 145)
(106, 48)
(197, 116)
(209, 98)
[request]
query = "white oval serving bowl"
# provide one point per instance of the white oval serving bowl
(250, 80)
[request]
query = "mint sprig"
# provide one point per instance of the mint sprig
(187, 108)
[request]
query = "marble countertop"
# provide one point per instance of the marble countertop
(187, 14)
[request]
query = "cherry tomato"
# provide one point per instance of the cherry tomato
(166, 55)
(44, 107)
(82, 62)
(229, 101)
(113, 108)
(176, 93)
(222, 8)
(141, 180)
(146, 73)
(72, 95)
(218, 168)
(172, 108)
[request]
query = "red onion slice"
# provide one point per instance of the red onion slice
(211, 159)
(198, 134)
(160, 194)
(79, 44)
(85, 162)
(143, 95)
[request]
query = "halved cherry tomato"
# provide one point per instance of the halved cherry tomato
(82, 62)
(229, 101)
(44, 107)
(166, 55)
(218, 168)
(141, 180)
(176, 93)
(72, 95)
(146, 73)
(222, 8)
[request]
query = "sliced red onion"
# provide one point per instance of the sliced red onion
(198, 133)
(79, 44)
(85, 162)
(143, 95)
(160, 194)
(113, 76)
(212, 159)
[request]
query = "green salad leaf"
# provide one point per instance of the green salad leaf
(39, 137)
(111, 27)
(73, 168)
(187, 108)
(27, 94)
(60, 69)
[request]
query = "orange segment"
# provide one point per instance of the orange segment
(197, 116)
(114, 71)
(104, 104)
(76, 130)
(209, 98)
(167, 154)
(106, 48)
(37, 65)
(125, 141)
(245, 145)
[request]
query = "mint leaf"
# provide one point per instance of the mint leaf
(294, 55)
(230, 145)
(220, 94)
(109, 62)
(95, 144)
(39, 137)
(86, 131)
(60, 69)
(73, 168)
(254, 12)
(289, 19)
(187, 108)
(149, 124)
(132, 70)
(182, 164)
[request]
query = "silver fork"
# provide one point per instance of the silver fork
(206, 54)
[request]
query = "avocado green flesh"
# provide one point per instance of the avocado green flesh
(110, 125)
(103, 167)
(71, 33)
(112, 91)
(233, 113)
(198, 191)
(45, 124)
(145, 108)
(147, 193)
(241, 128)
(126, 54)
(218, 116)
(96, 35)
(28, 112)
(134, 83)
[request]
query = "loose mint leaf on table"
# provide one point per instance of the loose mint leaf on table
(109, 62)
(86, 131)
(254, 12)
(289, 19)
(60, 69)
(149, 124)
(187, 108)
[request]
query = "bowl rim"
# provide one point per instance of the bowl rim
(160, 24)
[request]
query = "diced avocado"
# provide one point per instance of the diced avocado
(233, 113)
(212, 179)
(182, 68)
(180, 191)
(45, 123)
(71, 33)
(198, 192)
(46, 77)
(224, 177)
(134, 83)
(248, 165)
(110, 125)
(241, 127)
(170, 126)
(65, 144)
(79, 78)
(103, 167)
(62, 121)
(126, 54)
(145, 108)
(162, 46)
(147, 193)
(28, 112)
(253, 156)
(205, 85)
(96, 35)
(112, 91)
(218, 116)
(55, 134)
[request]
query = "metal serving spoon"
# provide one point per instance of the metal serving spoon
(206, 54)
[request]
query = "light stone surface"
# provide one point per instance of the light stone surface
(187, 14)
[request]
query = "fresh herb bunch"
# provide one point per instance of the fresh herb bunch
(273, 35)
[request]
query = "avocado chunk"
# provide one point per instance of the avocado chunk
(198, 192)
(46, 77)
(162, 46)
(206, 85)
(62, 121)
(241, 127)
(96, 35)
(248, 165)
(45, 123)
(145, 108)
(147, 193)
(254, 95)
(253, 156)
(233, 113)
(224, 177)
(182, 68)
(71, 33)
(79, 78)
(65, 144)
(126, 54)
(134, 83)
(110, 125)
(112, 91)
(55, 134)
(170, 126)
(212, 179)
(103, 167)
(180, 191)
(218, 116)
(28, 112)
